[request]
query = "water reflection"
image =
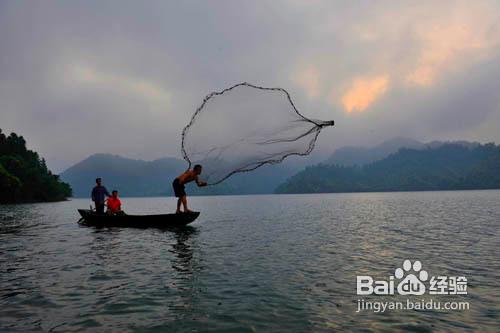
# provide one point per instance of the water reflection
(286, 263)
(182, 250)
(14, 219)
(107, 244)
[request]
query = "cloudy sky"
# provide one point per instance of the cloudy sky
(83, 77)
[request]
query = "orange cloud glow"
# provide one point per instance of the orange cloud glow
(119, 83)
(467, 36)
(363, 92)
(309, 79)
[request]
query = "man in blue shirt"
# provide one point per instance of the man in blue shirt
(99, 194)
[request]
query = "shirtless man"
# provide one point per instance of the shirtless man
(179, 189)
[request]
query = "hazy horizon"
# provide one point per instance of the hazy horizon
(315, 157)
(60, 165)
(125, 77)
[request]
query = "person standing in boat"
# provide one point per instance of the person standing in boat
(179, 189)
(99, 194)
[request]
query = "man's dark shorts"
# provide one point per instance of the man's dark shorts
(179, 189)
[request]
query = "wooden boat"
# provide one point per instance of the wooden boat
(137, 221)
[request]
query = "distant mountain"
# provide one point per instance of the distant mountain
(131, 177)
(350, 156)
(154, 178)
(446, 167)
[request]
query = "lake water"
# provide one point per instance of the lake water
(250, 263)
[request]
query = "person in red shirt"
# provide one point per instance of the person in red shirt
(114, 204)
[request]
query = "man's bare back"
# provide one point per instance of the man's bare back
(189, 176)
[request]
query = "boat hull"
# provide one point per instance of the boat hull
(137, 221)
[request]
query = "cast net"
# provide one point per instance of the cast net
(244, 127)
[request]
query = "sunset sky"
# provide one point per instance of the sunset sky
(78, 78)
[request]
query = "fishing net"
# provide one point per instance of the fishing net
(244, 127)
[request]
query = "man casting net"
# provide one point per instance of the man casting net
(244, 127)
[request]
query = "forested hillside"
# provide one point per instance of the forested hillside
(24, 176)
(448, 167)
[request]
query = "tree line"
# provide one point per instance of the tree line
(24, 176)
(449, 167)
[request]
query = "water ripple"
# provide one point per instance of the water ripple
(250, 263)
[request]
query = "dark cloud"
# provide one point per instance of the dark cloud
(124, 77)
